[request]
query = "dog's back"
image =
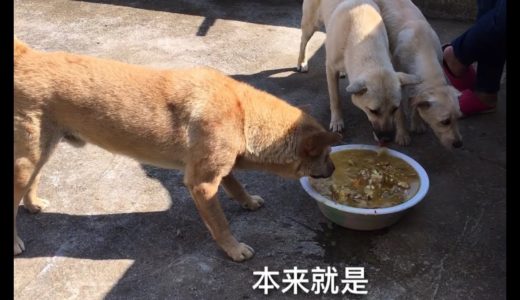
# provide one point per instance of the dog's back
(20, 48)
(79, 93)
(397, 13)
(355, 27)
(407, 27)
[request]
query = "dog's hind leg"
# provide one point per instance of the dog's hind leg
(32, 148)
(31, 201)
(236, 191)
(308, 27)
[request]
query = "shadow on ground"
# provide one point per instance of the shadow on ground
(265, 12)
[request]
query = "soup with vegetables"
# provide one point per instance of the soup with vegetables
(368, 179)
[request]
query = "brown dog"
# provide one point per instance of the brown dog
(197, 120)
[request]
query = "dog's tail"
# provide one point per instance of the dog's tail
(20, 48)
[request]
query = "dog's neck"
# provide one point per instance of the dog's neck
(367, 41)
(270, 130)
(367, 58)
(426, 66)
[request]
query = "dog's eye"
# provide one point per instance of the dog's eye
(446, 122)
(394, 110)
(374, 111)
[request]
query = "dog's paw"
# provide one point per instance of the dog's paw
(403, 139)
(303, 68)
(36, 205)
(254, 203)
(241, 252)
(337, 125)
(19, 246)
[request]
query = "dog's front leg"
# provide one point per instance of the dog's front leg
(31, 201)
(402, 137)
(204, 194)
(336, 117)
(236, 191)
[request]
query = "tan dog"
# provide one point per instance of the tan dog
(356, 44)
(416, 49)
(197, 120)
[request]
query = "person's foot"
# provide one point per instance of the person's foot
(461, 77)
(472, 103)
(454, 65)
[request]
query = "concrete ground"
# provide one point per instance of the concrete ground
(117, 229)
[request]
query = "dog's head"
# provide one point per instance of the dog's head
(314, 154)
(439, 108)
(378, 94)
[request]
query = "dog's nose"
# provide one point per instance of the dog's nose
(457, 144)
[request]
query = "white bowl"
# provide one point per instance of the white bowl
(368, 218)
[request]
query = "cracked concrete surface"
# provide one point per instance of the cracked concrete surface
(117, 229)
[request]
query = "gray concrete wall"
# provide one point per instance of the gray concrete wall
(448, 9)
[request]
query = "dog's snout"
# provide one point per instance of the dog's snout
(329, 171)
(457, 144)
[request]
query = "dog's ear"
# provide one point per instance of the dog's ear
(418, 102)
(358, 87)
(313, 144)
(407, 79)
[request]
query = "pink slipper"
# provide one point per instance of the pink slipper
(471, 105)
(467, 81)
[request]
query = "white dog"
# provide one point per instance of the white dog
(357, 44)
(416, 49)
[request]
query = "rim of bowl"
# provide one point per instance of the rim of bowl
(424, 182)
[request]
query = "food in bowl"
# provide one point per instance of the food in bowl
(368, 179)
